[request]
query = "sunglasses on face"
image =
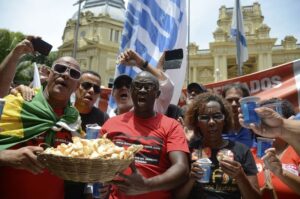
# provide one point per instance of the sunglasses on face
(73, 73)
(146, 86)
(88, 86)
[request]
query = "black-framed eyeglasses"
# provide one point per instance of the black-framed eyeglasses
(146, 86)
(88, 86)
(216, 117)
(73, 73)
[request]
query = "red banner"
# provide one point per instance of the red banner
(282, 81)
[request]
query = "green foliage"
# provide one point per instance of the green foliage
(8, 40)
(51, 58)
(16, 37)
(24, 71)
(41, 59)
(4, 43)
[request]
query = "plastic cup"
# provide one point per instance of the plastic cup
(262, 145)
(276, 106)
(225, 154)
(248, 104)
(2, 103)
(205, 164)
(92, 131)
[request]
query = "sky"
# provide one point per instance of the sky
(47, 18)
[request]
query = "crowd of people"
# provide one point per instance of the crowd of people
(210, 126)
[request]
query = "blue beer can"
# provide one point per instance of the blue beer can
(96, 189)
(92, 131)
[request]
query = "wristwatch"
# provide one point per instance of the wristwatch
(145, 65)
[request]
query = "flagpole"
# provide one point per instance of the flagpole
(237, 40)
(188, 49)
(76, 28)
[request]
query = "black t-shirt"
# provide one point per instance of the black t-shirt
(221, 186)
(174, 111)
(75, 190)
(96, 116)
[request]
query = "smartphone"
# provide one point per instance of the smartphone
(173, 59)
(41, 46)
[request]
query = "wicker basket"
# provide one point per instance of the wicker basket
(83, 169)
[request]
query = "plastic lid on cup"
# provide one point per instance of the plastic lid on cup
(249, 99)
(2, 100)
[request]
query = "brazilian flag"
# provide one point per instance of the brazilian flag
(22, 120)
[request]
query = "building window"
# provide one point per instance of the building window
(111, 34)
(117, 36)
(114, 35)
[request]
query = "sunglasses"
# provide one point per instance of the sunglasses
(88, 86)
(146, 86)
(73, 73)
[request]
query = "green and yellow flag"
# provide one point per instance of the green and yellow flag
(22, 120)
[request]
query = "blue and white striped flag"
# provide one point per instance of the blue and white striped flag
(237, 32)
(150, 28)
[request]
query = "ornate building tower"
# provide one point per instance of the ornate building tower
(99, 36)
(219, 61)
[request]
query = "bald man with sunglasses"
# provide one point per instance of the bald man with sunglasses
(86, 95)
(162, 164)
(21, 174)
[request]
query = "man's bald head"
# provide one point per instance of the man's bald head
(147, 75)
(69, 61)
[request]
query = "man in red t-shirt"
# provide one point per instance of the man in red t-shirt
(162, 164)
(21, 175)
